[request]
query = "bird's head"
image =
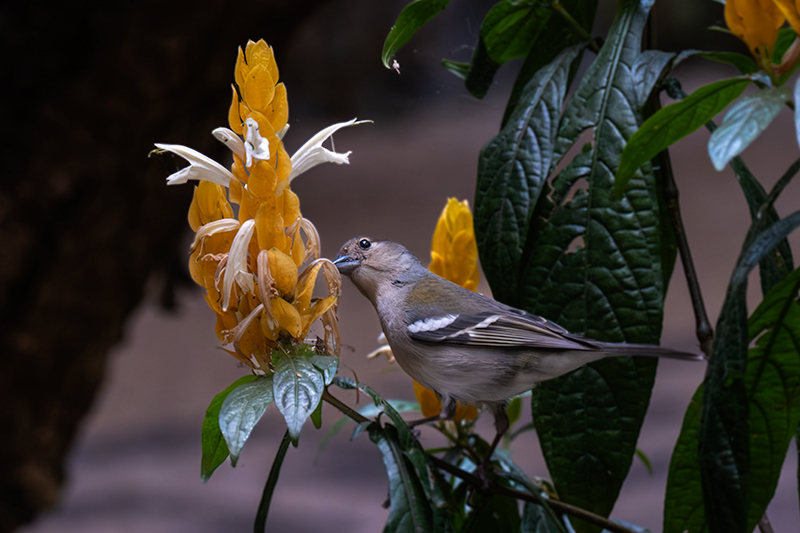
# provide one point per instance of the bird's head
(374, 264)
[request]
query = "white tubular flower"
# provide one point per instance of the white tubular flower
(217, 226)
(281, 132)
(236, 267)
(200, 167)
(256, 146)
(312, 153)
(231, 140)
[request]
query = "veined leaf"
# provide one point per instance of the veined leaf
(745, 121)
(724, 448)
(411, 18)
(215, 451)
(298, 387)
(511, 171)
(674, 122)
(242, 410)
(772, 385)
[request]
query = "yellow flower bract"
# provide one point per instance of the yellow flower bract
(253, 284)
(756, 22)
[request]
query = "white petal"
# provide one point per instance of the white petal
(231, 140)
(236, 269)
(312, 153)
(281, 132)
(200, 167)
(256, 146)
(217, 226)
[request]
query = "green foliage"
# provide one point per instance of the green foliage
(214, 449)
(299, 383)
(772, 387)
(674, 122)
(242, 410)
(411, 18)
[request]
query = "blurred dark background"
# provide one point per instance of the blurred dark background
(107, 353)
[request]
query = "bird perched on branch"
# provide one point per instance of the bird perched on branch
(461, 344)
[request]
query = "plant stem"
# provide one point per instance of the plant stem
(269, 488)
(577, 28)
(557, 505)
(344, 408)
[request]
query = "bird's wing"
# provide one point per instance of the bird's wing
(497, 329)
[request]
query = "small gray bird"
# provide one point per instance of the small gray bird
(461, 344)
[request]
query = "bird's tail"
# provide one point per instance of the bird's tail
(649, 350)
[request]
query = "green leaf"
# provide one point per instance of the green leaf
(772, 384)
(724, 451)
(744, 122)
(298, 388)
(556, 35)
(411, 18)
(536, 519)
(242, 410)
(511, 171)
(674, 122)
(786, 37)
(269, 487)
(326, 364)
(215, 451)
(316, 416)
(743, 63)
(592, 263)
(645, 461)
(492, 512)
(481, 71)
(511, 28)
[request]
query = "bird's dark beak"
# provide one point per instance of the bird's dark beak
(346, 264)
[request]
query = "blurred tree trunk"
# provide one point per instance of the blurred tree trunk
(85, 217)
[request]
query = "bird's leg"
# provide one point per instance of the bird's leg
(448, 413)
(501, 424)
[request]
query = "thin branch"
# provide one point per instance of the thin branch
(557, 505)
(344, 408)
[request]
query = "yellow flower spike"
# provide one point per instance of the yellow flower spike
(330, 325)
(205, 258)
(317, 309)
(235, 119)
(283, 272)
(454, 250)
(241, 70)
(269, 227)
(790, 10)
(286, 318)
(260, 53)
(279, 108)
(428, 401)
(249, 342)
(756, 22)
(209, 203)
(259, 89)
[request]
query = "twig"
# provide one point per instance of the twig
(557, 505)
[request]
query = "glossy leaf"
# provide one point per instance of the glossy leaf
(326, 364)
(298, 387)
(411, 19)
(556, 35)
(511, 172)
(772, 384)
(536, 519)
(744, 122)
(674, 122)
(724, 451)
(593, 263)
(215, 451)
(242, 410)
(744, 64)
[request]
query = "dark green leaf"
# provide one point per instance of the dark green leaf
(674, 122)
(512, 169)
(492, 513)
(772, 385)
(511, 28)
(409, 510)
(536, 519)
(592, 264)
(269, 487)
(241, 411)
(411, 18)
(298, 388)
(786, 37)
(215, 451)
(724, 449)
(743, 63)
(744, 122)
(316, 416)
(556, 35)
(481, 71)
(645, 461)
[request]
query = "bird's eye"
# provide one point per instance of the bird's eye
(364, 244)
